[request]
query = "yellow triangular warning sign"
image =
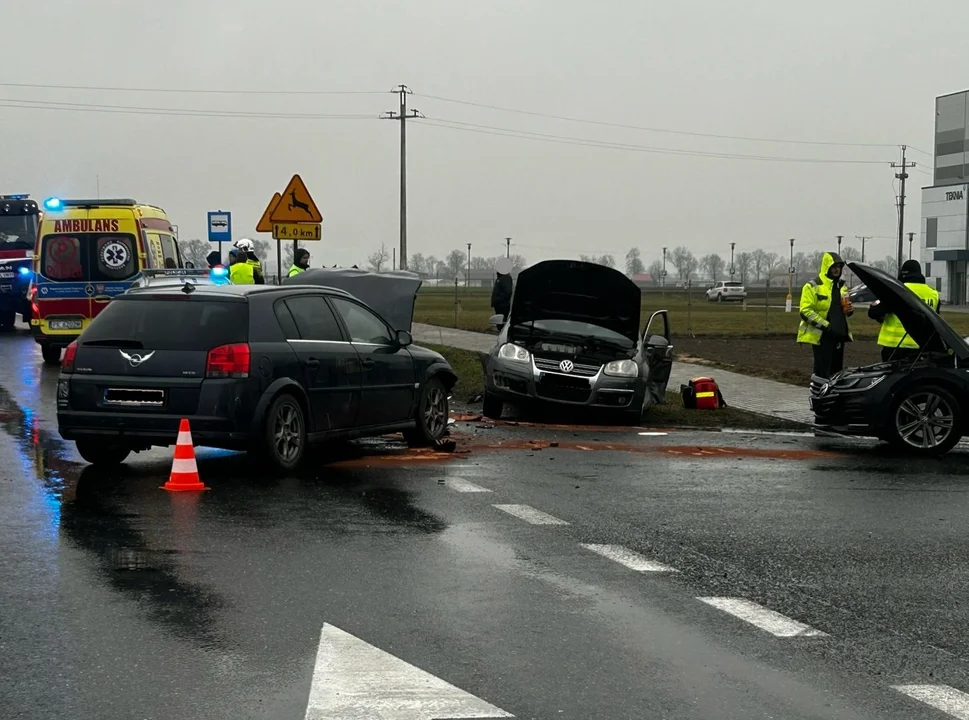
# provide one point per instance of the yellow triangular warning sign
(265, 224)
(296, 205)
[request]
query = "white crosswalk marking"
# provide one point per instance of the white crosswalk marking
(941, 697)
(463, 486)
(530, 515)
(625, 556)
(759, 616)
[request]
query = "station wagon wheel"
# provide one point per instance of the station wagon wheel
(286, 432)
(433, 412)
(927, 420)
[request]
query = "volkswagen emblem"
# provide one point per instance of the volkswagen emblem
(134, 359)
(566, 366)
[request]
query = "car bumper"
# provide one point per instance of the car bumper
(848, 413)
(146, 430)
(518, 382)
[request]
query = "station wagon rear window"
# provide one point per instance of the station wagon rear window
(171, 324)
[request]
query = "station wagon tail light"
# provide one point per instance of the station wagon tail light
(228, 361)
(67, 364)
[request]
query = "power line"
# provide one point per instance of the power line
(185, 112)
(588, 142)
(652, 129)
(191, 91)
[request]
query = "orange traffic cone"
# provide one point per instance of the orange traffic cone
(185, 473)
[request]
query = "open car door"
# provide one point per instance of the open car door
(658, 352)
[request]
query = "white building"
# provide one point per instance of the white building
(945, 204)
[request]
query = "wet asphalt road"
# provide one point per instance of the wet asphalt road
(119, 600)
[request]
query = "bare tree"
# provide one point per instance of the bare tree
(655, 271)
(417, 264)
(712, 266)
(742, 265)
(684, 262)
(455, 263)
(378, 259)
(482, 263)
(771, 262)
(518, 262)
(195, 251)
(608, 260)
(634, 262)
(757, 260)
(263, 248)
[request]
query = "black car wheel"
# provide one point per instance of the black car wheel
(433, 412)
(102, 453)
(926, 420)
(719, 297)
(285, 429)
(51, 354)
(492, 406)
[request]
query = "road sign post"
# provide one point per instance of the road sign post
(291, 215)
(220, 228)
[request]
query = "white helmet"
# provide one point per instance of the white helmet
(244, 244)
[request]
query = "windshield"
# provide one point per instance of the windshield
(576, 329)
(18, 232)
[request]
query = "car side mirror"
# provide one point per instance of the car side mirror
(404, 338)
(496, 321)
(657, 341)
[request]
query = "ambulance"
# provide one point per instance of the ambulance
(88, 252)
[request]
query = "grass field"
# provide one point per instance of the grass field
(688, 317)
(471, 383)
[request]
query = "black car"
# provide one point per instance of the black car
(572, 337)
(920, 403)
(252, 367)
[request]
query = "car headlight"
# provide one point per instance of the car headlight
(858, 383)
(510, 351)
(622, 368)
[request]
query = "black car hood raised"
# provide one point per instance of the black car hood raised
(921, 322)
(391, 294)
(574, 290)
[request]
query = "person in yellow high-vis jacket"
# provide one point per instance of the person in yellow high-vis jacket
(895, 342)
(240, 271)
(825, 309)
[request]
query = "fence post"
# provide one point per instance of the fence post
(767, 309)
(456, 301)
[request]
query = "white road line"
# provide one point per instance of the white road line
(464, 486)
(530, 515)
(941, 697)
(759, 616)
(625, 556)
(354, 679)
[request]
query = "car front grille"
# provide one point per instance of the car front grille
(563, 387)
(579, 369)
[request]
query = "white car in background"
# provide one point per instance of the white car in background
(724, 290)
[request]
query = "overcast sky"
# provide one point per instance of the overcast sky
(851, 71)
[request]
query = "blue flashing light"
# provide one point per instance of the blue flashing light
(53, 203)
(219, 275)
(24, 271)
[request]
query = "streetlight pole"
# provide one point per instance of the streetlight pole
(840, 237)
(467, 284)
(790, 281)
(664, 268)
(507, 247)
(732, 245)
(911, 238)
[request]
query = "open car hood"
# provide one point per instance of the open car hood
(391, 294)
(574, 290)
(923, 324)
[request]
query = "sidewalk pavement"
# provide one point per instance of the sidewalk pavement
(765, 397)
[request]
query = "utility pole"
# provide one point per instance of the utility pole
(732, 246)
(507, 247)
(664, 267)
(468, 285)
(840, 237)
(862, 238)
(394, 265)
(903, 176)
(911, 238)
(403, 115)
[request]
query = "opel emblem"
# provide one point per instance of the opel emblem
(134, 359)
(566, 366)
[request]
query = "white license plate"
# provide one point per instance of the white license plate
(64, 324)
(6, 274)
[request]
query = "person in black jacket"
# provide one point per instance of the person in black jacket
(501, 293)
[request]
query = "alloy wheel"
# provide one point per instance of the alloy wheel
(925, 420)
(287, 432)
(435, 411)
